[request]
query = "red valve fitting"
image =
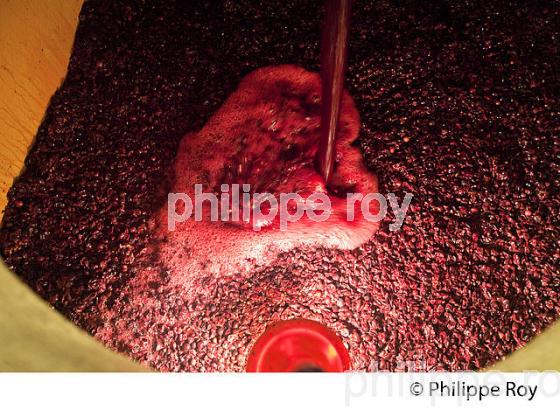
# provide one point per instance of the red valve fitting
(298, 345)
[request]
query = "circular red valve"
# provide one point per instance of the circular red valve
(298, 345)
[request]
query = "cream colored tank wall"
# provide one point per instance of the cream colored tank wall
(35, 42)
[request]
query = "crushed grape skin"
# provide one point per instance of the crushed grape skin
(459, 105)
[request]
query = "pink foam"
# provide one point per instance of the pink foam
(265, 135)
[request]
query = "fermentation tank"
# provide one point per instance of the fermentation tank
(35, 43)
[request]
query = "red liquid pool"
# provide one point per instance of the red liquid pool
(266, 136)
